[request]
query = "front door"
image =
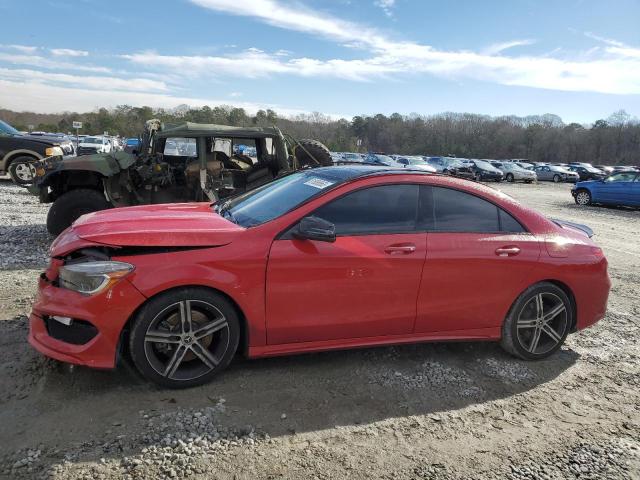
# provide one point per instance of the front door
(364, 284)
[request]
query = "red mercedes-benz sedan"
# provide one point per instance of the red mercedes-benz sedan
(321, 259)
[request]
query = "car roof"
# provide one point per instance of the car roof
(190, 129)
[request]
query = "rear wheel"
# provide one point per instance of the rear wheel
(71, 205)
(311, 153)
(22, 171)
(557, 178)
(509, 178)
(538, 322)
(184, 337)
(583, 197)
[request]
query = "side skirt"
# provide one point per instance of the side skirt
(478, 334)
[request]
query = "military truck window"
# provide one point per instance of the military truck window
(180, 147)
(245, 148)
(269, 146)
(222, 145)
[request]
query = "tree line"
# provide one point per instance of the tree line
(546, 138)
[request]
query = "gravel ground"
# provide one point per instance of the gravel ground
(431, 411)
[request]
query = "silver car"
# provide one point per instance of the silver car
(514, 172)
(551, 173)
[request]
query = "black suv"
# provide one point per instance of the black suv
(18, 152)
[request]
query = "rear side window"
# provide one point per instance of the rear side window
(508, 223)
(375, 210)
(449, 210)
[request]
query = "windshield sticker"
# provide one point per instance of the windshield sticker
(318, 183)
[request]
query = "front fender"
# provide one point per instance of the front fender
(158, 272)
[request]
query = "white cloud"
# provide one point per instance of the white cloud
(501, 47)
(20, 48)
(68, 52)
(93, 82)
(48, 63)
(35, 96)
(386, 6)
(616, 72)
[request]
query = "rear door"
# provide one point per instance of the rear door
(478, 261)
(364, 284)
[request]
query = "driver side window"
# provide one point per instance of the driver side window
(621, 177)
(382, 209)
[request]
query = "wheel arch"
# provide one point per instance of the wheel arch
(63, 181)
(243, 344)
(562, 286)
(21, 152)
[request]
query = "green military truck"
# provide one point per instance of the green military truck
(189, 162)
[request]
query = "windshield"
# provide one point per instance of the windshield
(382, 158)
(483, 164)
(415, 160)
(280, 196)
(92, 140)
(7, 129)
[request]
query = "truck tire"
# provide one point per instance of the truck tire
(320, 155)
(21, 170)
(71, 205)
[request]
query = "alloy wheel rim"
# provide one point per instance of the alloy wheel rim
(583, 198)
(186, 340)
(25, 172)
(542, 323)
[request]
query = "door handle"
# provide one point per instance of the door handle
(400, 249)
(510, 251)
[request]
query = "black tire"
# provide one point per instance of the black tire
(19, 168)
(509, 178)
(477, 177)
(583, 197)
(518, 333)
(557, 178)
(153, 321)
(446, 172)
(68, 207)
(311, 153)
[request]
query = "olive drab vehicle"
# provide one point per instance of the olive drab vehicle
(189, 162)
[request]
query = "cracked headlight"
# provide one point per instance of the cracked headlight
(92, 277)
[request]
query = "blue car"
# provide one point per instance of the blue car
(622, 188)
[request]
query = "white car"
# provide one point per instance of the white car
(90, 145)
(514, 172)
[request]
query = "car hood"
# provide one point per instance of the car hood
(587, 182)
(166, 225)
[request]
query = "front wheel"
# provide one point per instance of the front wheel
(183, 338)
(538, 322)
(70, 206)
(510, 178)
(557, 178)
(22, 171)
(583, 197)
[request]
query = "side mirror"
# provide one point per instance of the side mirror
(315, 228)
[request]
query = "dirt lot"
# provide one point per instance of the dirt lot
(433, 411)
